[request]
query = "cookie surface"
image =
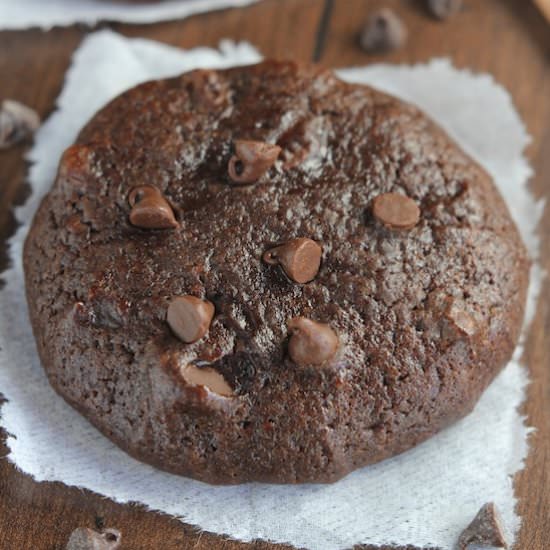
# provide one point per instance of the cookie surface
(205, 348)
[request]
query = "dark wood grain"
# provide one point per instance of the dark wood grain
(507, 38)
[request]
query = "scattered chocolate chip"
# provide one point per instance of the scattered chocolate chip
(300, 258)
(383, 32)
(443, 9)
(207, 377)
(461, 321)
(83, 538)
(190, 317)
(252, 159)
(17, 123)
(311, 343)
(150, 209)
(396, 211)
(485, 530)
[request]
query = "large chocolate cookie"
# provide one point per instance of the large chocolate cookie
(267, 274)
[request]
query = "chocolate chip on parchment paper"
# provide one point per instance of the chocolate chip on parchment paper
(84, 538)
(485, 530)
(384, 31)
(17, 123)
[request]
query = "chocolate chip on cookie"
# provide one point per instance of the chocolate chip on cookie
(75, 168)
(300, 259)
(207, 377)
(311, 343)
(252, 159)
(460, 320)
(150, 210)
(74, 225)
(189, 317)
(396, 211)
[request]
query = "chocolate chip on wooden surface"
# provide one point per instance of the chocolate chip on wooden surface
(486, 529)
(252, 159)
(383, 32)
(84, 538)
(17, 123)
(150, 210)
(311, 343)
(300, 259)
(189, 317)
(396, 211)
(207, 377)
(443, 9)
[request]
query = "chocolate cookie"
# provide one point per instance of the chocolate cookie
(265, 273)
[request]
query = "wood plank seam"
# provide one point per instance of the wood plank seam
(322, 30)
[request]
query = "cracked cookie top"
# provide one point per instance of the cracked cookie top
(293, 240)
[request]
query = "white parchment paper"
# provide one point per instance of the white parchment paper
(423, 497)
(21, 14)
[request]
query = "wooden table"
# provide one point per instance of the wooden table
(507, 38)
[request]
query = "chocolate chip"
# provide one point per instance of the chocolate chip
(485, 530)
(83, 538)
(252, 159)
(384, 31)
(75, 226)
(150, 210)
(190, 317)
(107, 310)
(300, 258)
(461, 321)
(208, 89)
(206, 377)
(443, 9)
(305, 142)
(17, 123)
(75, 170)
(311, 343)
(396, 211)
